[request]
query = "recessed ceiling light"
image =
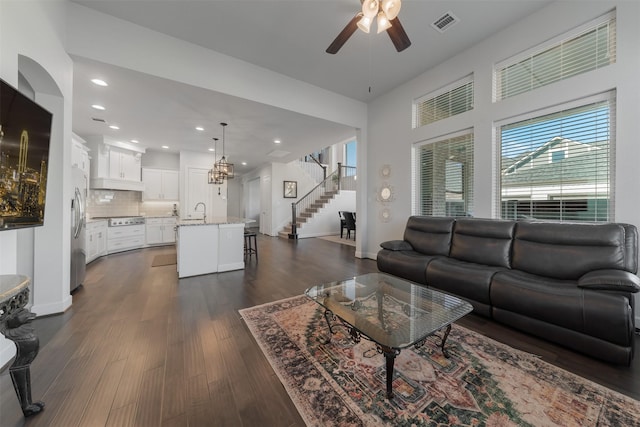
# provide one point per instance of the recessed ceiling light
(211, 149)
(165, 146)
(99, 82)
(135, 141)
(244, 163)
(114, 127)
(200, 128)
(276, 141)
(98, 107)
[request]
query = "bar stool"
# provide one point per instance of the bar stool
(250, 244)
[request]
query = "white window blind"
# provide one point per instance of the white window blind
(559, 166)
(449, 101)
(444, 177)
(589, 47)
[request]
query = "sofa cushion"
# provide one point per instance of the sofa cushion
(606, 315)
(429, 235)
(410, 265)
(567, 251)
(483, 241)
(467, 280)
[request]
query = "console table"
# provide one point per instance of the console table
(15, 325)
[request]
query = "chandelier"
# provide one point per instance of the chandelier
(221, 169)
(384, 11)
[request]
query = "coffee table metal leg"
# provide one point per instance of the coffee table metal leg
(327, 315)
(390, 357)
(444, 339)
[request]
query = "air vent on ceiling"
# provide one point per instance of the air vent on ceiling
(278, 153)
(95, 119)
(445, 22)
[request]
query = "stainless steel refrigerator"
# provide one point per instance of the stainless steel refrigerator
(78, 228)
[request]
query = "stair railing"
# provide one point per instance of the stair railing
(312, 166)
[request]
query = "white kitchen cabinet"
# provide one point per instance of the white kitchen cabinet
(160, 184)
(79, 154)
(124, 164)
(125, 238)
(96, 236)
(116, 166)
(161, 231)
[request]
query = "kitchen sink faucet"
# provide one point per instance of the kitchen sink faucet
(204, 212)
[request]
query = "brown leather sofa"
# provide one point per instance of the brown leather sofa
(570, 283)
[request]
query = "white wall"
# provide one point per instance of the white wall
(32, 41)
(327, 222)
(160, 160)
(390, 115)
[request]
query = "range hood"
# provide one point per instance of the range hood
(116, 184)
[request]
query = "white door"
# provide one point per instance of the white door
(198, 190)
(253, 201)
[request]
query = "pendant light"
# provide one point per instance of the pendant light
(214, 176)
(222, 168)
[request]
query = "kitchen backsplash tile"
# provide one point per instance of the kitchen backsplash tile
(157, 208)
(106, 203)
(113, 203)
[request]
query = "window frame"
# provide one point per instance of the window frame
(416, 182)
(609, 96)
(548, 45)
(468, 79)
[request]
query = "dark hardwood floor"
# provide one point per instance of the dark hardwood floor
(141, 348)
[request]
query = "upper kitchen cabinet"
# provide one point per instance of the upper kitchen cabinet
(116, 165)
(124, 164)
(160, 184)
(79, 154)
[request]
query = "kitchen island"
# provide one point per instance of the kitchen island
(209, 246)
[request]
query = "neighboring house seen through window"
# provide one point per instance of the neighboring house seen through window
(558, 166)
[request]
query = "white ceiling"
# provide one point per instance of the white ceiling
(289, 37)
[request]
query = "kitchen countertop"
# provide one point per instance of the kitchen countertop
(215, 221)
(96, 220)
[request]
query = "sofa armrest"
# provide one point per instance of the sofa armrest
(610, 280)
(396, 245)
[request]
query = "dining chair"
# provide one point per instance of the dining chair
(343, 224)
(350, 223)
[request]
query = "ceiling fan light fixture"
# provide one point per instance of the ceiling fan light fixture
(391, 8)
(383, 22)
(365, 24)
(370, 8)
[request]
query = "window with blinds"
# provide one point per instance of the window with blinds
(589, 47)
(444, 177)
(559, 166)
(449, 101)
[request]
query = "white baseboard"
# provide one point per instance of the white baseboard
(53, 308)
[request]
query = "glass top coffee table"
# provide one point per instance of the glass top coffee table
(391, 312)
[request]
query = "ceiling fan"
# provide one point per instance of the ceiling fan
(385, 12)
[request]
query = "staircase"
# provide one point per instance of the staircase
(309, 212)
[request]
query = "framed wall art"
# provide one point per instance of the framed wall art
(290, 189)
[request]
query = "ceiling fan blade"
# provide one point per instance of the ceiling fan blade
(398, 36)
(344, 35)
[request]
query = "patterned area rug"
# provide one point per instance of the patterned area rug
(484, 383)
